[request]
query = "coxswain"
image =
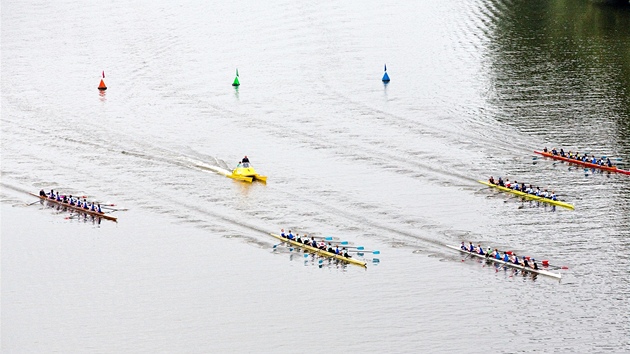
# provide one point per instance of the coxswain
(491, 180)
(245, 159)
(463, 246)
(282, 233)
(290, 235)
(42, 193)
(344, 252)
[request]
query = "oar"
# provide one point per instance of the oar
(37, 201)
(114, 209)
(358, 251)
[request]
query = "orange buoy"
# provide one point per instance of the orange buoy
(102, 86)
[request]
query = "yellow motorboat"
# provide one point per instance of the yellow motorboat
(245, 172)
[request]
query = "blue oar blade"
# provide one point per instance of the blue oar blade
(376, 252)
(344, 242)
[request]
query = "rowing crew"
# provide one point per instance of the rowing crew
(522, 187)
(508, 256)
(315, 244)
(583, 158)
(95, 207)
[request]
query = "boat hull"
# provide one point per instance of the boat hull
(320, 252)
(583, 163)
(89, 212)
(247, 174)
(512, 265)
(529, 196)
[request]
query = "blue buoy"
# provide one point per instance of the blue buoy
(385, 77)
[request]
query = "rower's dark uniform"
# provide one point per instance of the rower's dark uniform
(42, 193)
(245, 160)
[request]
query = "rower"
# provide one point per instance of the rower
(85, 204)
(554, 151)
(282, 233)
(321, 245)
(344, 252)
(463, 246)
(497, 254)
(70, 200)
(608, 163)
(529, 190)
(330, 248)
(65, 199)
(298, 238)
(290, 235)
(480, 250)
(501, 183)
(525, 263)
(534, 264)
(516, 186)
(42, 193)
(593, 160)
(58, 198)
(51, 195)
(99, 209)
(337, 249)
(507, 183)
(313, 242)
(471, 248)
(491, 180)
(92, 208)
(553, 195)
(506, 258)
(545, 149)
(545, 194)
(516, 260)
(562, 152)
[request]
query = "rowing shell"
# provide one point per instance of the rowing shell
(509, 264)
(320, 252)
(583, 163)
(90, 212)
(529, 196)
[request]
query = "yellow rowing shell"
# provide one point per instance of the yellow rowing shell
(529, 196)
(320, 252)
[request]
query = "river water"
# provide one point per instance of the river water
(475, 87)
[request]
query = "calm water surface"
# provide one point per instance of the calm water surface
(476, 87)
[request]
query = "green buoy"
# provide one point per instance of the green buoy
(236, 82)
